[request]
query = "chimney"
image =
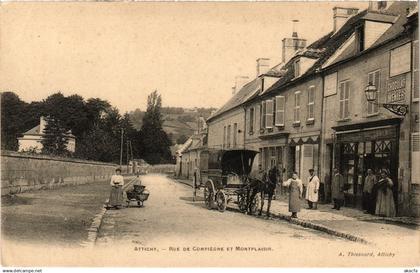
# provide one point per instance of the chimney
(341, 15)
(263, 65)
(240, 81)
(377, 5)
(291, 45)
(42, 124)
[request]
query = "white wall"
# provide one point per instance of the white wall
(215, 128)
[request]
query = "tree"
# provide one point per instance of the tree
(55, 137)
(12, 120)
(136, 118)
(99, 145)
(153, 141)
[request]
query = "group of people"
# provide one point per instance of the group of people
(378, 196)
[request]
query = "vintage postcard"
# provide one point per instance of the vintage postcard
(210, 134)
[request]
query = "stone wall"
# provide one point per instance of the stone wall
(22, 172)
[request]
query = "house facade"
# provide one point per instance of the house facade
(359, 135)
(314, 114)
(188, 156)
(32, 139)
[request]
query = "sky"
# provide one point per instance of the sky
(122, 51)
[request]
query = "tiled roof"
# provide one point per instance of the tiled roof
(239, 97)
(323, 49)
(396, 29)
(331, 42)
(33, 131)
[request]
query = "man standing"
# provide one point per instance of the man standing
(337, 189)
(312, 190)
(368, 196)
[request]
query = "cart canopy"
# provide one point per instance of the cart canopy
(237, 161)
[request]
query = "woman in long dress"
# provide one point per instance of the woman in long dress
(116, 196)
(295, 193)
(385, 205)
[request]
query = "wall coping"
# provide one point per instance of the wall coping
(6, 153)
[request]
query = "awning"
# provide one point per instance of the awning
(304, 140)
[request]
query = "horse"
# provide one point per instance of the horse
(265, 185)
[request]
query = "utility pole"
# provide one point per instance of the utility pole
(121, 149)
(127, 157)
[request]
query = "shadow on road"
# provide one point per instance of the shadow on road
(11, 200)
(190, 199)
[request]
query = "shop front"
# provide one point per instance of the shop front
(304, 155)
(359, 147)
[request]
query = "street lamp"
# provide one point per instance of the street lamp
(371, 93)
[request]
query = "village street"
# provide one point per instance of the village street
(172, 230)
(170, 222)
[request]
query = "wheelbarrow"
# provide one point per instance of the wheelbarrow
(138, 194)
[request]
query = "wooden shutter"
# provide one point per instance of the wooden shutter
(269, 114)
(280, 105)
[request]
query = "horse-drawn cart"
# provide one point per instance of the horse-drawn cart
(225, 177)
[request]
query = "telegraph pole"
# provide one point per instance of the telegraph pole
(121, 149)
(127, 157)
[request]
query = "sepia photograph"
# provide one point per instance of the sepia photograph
(217, 134)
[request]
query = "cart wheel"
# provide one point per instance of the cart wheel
(256, 203)
(221, 201)
(139, 203)
(242, 202)
(208, 197)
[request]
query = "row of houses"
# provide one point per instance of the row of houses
(312, 109)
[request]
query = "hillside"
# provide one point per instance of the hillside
(179, 123)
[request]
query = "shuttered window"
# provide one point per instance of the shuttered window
(269, 114)
(415, 158)
(235, 134)
(228, 136)
(308, 151)
(296, 109)
(262, 115)
(251, 119)
(280, 105)
(344, 99)
(375, 79)
(416, 70)
(311, 103)
(224, 137)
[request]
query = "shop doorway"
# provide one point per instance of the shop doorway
(357, 157)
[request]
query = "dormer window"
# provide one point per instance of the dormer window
(296, 67)
(360, 38)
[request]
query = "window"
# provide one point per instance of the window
(235, 134)
(224, 137)
(416, 70)
(297, 107)
(280, 105)
(262, 115)
(360, 38)
(228, 136)
(375, 79)
(311, 103)
(251, 120)
(296, 67)
(400, 60)
(344, 99)
(269, 114)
